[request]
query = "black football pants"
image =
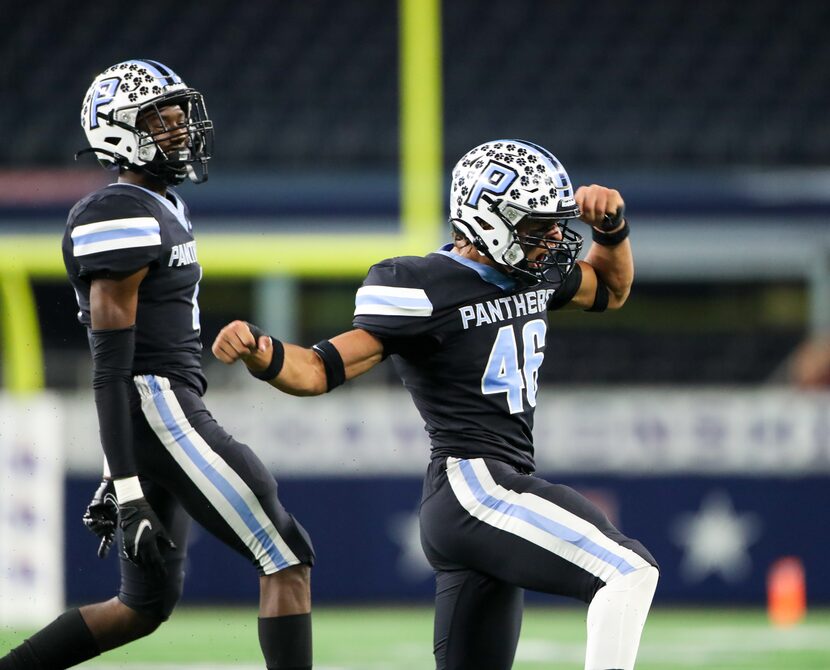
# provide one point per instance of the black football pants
(490, 532)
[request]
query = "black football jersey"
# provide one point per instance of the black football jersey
(467, 341)
(120, 229)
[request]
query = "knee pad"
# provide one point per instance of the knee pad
(642, 580)
(153, 598)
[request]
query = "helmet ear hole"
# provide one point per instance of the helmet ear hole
(485, 225)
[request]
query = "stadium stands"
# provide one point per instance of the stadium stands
(304, 85)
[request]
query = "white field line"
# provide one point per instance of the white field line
(697, 648)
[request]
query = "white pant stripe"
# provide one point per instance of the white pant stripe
(539, 521)
(258, 533)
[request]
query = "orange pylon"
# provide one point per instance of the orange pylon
(786, 591)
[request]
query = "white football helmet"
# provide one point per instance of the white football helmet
(123, 95)
(502, 183)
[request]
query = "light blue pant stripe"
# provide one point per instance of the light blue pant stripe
(541, 522)
(222, 485)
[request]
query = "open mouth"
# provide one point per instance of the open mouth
(538, 262)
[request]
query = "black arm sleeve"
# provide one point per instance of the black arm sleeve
(600, 298)
(565, 293)
(112, 363)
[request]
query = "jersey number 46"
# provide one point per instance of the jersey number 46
(503, 373)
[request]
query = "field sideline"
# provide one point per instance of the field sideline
(399, 638)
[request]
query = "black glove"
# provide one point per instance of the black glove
(143, 538)
(101, 516)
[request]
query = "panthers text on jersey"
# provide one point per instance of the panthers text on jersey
(120, 229)
(467, 342)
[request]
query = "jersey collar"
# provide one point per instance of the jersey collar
(487, 273)
(176, 210)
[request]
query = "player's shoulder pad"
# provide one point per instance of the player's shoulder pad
(113, 219)
(110, 202)
(402, 271)
(394, 287)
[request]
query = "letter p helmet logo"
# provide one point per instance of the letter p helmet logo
(495, 178)
(103, 95)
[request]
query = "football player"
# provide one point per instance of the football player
(130, 255)
(466, 328)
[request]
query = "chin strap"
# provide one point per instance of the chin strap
(170, 178)
(116, 159)
(197, 177)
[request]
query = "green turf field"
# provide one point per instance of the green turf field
(400, 639)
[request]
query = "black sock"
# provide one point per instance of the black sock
(65, 642)
(286, 641)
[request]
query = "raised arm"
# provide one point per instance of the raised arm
(609, 264)
(298, 370)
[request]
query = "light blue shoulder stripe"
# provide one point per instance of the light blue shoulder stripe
(488, 274)
(367, 297)
(148, 230)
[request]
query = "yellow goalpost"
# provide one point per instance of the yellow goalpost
(24, 257)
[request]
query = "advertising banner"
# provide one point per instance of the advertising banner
(31, 504)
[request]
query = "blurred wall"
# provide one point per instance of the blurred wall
(718, 484)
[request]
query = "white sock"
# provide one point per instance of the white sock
(616, 617)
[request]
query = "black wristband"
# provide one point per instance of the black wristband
(611, 239)
(277, 361)
(332, 362)
(277, 354)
